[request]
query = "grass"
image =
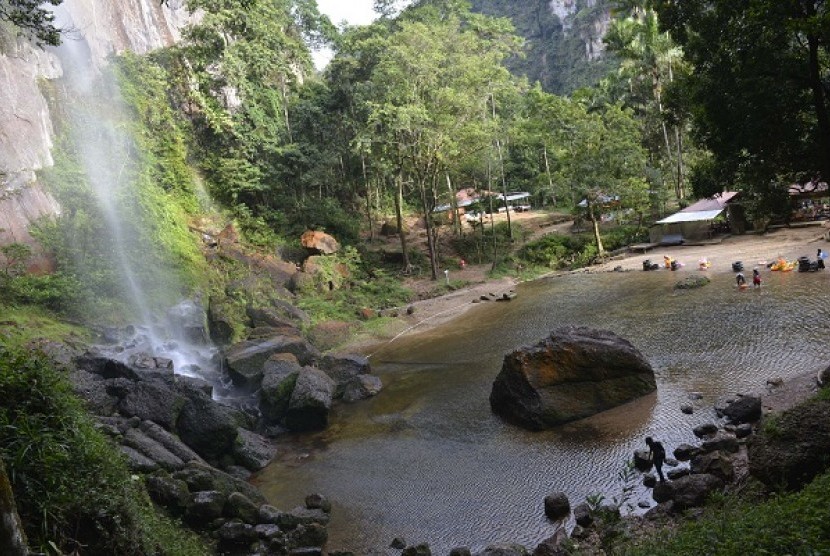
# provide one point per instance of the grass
(73, 489)
(21, 325)
(795, 523)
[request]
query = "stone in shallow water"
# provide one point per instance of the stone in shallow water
(574, 373)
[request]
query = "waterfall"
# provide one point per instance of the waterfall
(109, 169)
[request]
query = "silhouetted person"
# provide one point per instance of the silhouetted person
(658, 455)
(819, 259)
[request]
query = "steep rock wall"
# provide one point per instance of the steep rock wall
(107, 27)
(564, 40)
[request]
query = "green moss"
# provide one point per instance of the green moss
(21, 325)
(155, 208)
(797, 523)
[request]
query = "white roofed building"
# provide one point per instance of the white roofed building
(699, 221)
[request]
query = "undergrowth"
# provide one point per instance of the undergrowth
(794, 523)
(73, 489)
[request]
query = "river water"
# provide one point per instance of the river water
(427, 460)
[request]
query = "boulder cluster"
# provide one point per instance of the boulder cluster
(196, 449)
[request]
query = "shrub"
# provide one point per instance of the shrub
(72, 486)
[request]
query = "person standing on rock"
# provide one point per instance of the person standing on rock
(657, 454)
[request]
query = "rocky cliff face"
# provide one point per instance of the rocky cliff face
(564, 39)
(105, 27)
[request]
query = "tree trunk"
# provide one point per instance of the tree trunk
(425, 205)
(659, 100)
(368, 200)
(407, 266)
(456, 217)
(595, 224)
(12, 537)
(492, 215)
(504, 191)
(550, 179)
(681, 179)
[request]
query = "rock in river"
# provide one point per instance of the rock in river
(576, 372)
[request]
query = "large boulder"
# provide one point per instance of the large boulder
(269, 316)
(253, 451)
(791, 450)
(152, 401)
(199, 477)
(557, 506)
(746, 409)
(343, 368)
(690, 491)
(208, 427)
(280, 374)
(713, 463)
(362, 387)
(310, 401)
(245, 360)
(319, 242)
(575, 372)
(220, 322)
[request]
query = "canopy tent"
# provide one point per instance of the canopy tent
(696, 216)
(695, 221)
(513, 195)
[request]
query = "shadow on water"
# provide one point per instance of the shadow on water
(428, 461)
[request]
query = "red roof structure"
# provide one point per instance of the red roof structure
(716, 202)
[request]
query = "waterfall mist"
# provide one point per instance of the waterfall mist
(113, 240)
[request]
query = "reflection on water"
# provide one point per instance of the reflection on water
(427, 460)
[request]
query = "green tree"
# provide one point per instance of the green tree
(605, 161)
(238, 69)
(758, 92)
(430, 88)
(649, 61)
(33, 18)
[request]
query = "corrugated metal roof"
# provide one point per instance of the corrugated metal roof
(711, 203)
(695, 216)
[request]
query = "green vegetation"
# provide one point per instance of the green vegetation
(795, 523)
(147, 140)
(98, 507)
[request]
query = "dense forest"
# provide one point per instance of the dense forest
(689, 98)
(696, 99)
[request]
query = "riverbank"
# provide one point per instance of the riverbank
(752, 249)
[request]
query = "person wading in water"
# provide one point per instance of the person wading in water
(657, 454)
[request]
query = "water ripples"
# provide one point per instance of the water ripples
(428, 461)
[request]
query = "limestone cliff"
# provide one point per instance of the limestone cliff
(564, 48)
(104, 27)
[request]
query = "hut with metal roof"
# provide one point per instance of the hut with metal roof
(700, 221)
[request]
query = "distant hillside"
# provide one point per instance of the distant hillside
(564, 39)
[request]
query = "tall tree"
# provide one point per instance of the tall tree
(758, 93)
(604, 161)
(241, 63)
(649, 59)
(430, 88)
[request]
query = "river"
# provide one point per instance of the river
(426, 459)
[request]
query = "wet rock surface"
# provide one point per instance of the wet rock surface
(574, 373)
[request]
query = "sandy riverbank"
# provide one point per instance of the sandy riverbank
(751, 249)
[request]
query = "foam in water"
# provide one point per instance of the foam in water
(103, 151)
